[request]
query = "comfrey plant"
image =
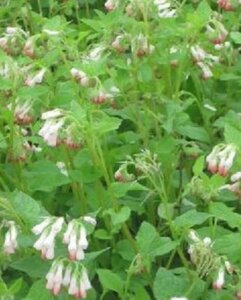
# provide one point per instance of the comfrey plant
(70, 274)
(221, 159)
(206, 261)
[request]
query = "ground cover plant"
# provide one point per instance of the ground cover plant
(120, 139)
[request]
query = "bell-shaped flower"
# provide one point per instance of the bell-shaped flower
(10, 242)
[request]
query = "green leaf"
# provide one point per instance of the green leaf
(27, 208)
(121, 216)
(145, 73)
(150, 244)
(190, 219)
(44, 176)
(232, 135)
(198, 166)
(236, 37)
(106, 124)
(168, 285)
(34, 266)
(224, 213)
(38, 291)
(194, 132)
(120, 189)
(110, 281)
(16, 286)
(229, 245)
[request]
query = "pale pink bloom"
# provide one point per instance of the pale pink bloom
(198, 53)
(72, 246)
(111, 5)
(73, 287)
(83, 243)
(33, 80)
(206, 71)
(236, 177)
(67, 276)
(50, 131)
(219, 282)
(37, 229)
(55, 278)
(80, 255)
(68, 232)
(51, 114)
(10, 242)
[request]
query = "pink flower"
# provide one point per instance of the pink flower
(219, 282)
(10, 242)
(31, 81)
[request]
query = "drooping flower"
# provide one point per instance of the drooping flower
(220, 280)
(54, 120)
(76, 238)
(165, 9)
(221, 159)
(31, 81)
(21, 112)
(55, 277)
(48, 230)
(10, 242)
(111, 4)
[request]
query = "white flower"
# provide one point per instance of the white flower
(51, 32)
(37, 229)
(219, 282)
(33, 80)
(90, 220)
(73, 287)
(50, 114)
(48, 230)
(83, 243)
(236, 176)
(193, 236)
(198, 53)
(50, 131)
(55, 278)
(62, 168)
(206, 71)
(111, 4)
(10, 242)
(72, 245)
(67, 276)
(210, 107)
(68, 232)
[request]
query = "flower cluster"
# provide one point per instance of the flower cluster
(221, 159)
(10, 242)
(67, 274)
(228, 5)
(164, 9)
(82, 78)
(235, 185)
(204, 60)
(216, 32)
(32, 80)
(75, 236)
(48, 230)
(111, 5)
(206, 261)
